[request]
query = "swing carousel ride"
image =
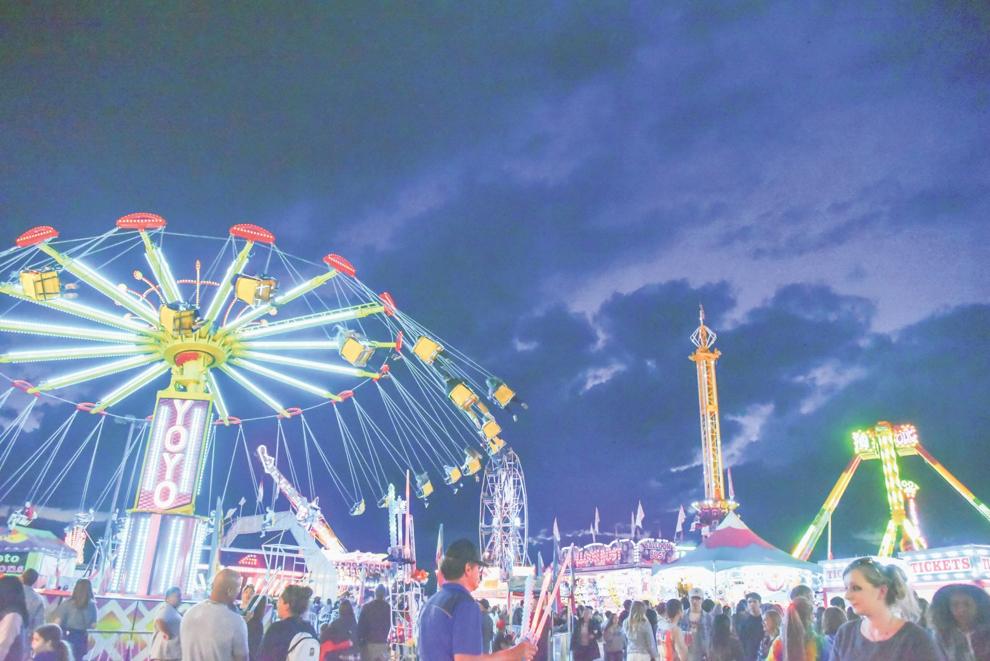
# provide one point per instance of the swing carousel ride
(255, 347)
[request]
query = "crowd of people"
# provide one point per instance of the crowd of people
(878, 619)
(235, 623)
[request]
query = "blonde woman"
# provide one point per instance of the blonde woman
(771, 631)
(641, 645)
(879, 594)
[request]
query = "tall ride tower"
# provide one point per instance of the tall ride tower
(715, 506)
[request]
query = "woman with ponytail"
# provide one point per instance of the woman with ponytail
(48, 645)
(798, 640)
(879, 594)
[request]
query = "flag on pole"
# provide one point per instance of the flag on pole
(681, 518)
(439, 555)
(540, 567)
(573, 583)
(640, 515)
(732, 490)
(556, 531)
(598, 520)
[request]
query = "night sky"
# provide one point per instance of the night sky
(555, 188)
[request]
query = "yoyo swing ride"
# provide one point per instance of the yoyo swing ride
(246, 345)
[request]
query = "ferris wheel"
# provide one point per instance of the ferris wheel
(504, 527)
(252, 333)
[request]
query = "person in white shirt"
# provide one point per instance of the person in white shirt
(213, 630)
(165, 645)
(35, 602)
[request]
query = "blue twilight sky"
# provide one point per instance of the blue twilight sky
(556, 187)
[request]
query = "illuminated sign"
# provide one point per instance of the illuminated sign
(941, 565)
(260, 561)
(170, 476)
(12, 563)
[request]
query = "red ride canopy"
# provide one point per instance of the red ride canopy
(733, 544)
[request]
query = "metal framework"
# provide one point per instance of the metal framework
(715, 506)
(886, 443)
(307, 512)
(504, 521)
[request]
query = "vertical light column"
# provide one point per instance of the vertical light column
(164, 507)
(715, 506)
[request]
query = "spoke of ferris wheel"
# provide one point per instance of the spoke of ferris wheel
(227, 284)
(221, 405)
(282, 378)
(246, 383)
(292, 345)
(280, 300)
(101, 284)
(131, 386)
(312, 320)
(55, 330)
(94, 372)
(73, 353)
(81, 310)
(159, 266)
(306, 364)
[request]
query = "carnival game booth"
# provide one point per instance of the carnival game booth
(605, 575)
(927, 570)
(31, 548)
(732, 561)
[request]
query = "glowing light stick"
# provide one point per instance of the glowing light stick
(527, 606)
(540, 604)
(542, 621)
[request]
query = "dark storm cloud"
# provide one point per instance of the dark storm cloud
(554, 190)
(804, 368)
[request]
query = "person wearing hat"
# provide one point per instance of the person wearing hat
(697, 626)
(450, 622)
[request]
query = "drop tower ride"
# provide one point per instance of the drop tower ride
(715, 506)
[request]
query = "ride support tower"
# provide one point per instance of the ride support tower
(715, 505)
(887, 443)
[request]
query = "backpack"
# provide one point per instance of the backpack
(303, 648)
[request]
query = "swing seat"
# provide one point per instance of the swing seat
(490, 428)
(452, 474)
(472, 461)
(495, 446)
(354, 351)
(178, 318)
(41, 285)
(254, 289)
(424, 487)
(502, 395)
(427, 350)
(462, 396)
(357, 509)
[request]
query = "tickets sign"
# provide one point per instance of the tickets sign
(169, 479)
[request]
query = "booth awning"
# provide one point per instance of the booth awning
(30, 540)
(732, 545)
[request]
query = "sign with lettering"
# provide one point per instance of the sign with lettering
(941, 565)
(170, 477)
(248, 561)
(13, 563)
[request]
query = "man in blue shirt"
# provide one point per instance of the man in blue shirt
(450, 623)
